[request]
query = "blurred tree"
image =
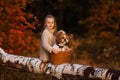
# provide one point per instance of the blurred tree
(14, 36)
(67, 12)
(104, 16)
(103, 24)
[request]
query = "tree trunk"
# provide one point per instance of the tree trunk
(35, 65)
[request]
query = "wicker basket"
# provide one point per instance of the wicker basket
(60, 58)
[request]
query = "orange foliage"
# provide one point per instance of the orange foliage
(103, 16)
(14, 38)
(106, 34)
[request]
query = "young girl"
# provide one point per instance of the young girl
(48, 38)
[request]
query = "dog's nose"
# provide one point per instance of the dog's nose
(65, 40)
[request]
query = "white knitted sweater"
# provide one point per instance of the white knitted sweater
(47, 41)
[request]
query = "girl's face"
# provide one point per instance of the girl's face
(49, 23)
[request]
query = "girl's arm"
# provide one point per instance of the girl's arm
(45, 43)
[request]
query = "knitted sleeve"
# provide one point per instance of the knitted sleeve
(45, 42)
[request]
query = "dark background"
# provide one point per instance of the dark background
(67, 12)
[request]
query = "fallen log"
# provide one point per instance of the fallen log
(35, 65)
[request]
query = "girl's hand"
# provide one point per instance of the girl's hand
(68, 49)
(55, 51)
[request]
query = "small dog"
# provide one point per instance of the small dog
(61, 40)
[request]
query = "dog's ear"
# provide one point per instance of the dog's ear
(57, 36)
(68, 38)
(57, 39)
(70, 42)
(67, 42)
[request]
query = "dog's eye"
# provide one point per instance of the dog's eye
(62, 37)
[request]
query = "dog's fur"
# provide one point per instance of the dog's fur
(61, 40)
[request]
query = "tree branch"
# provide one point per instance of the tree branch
(35, 65)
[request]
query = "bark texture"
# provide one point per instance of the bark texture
(35, 65)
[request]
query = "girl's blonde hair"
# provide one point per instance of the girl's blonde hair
(55, 24)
